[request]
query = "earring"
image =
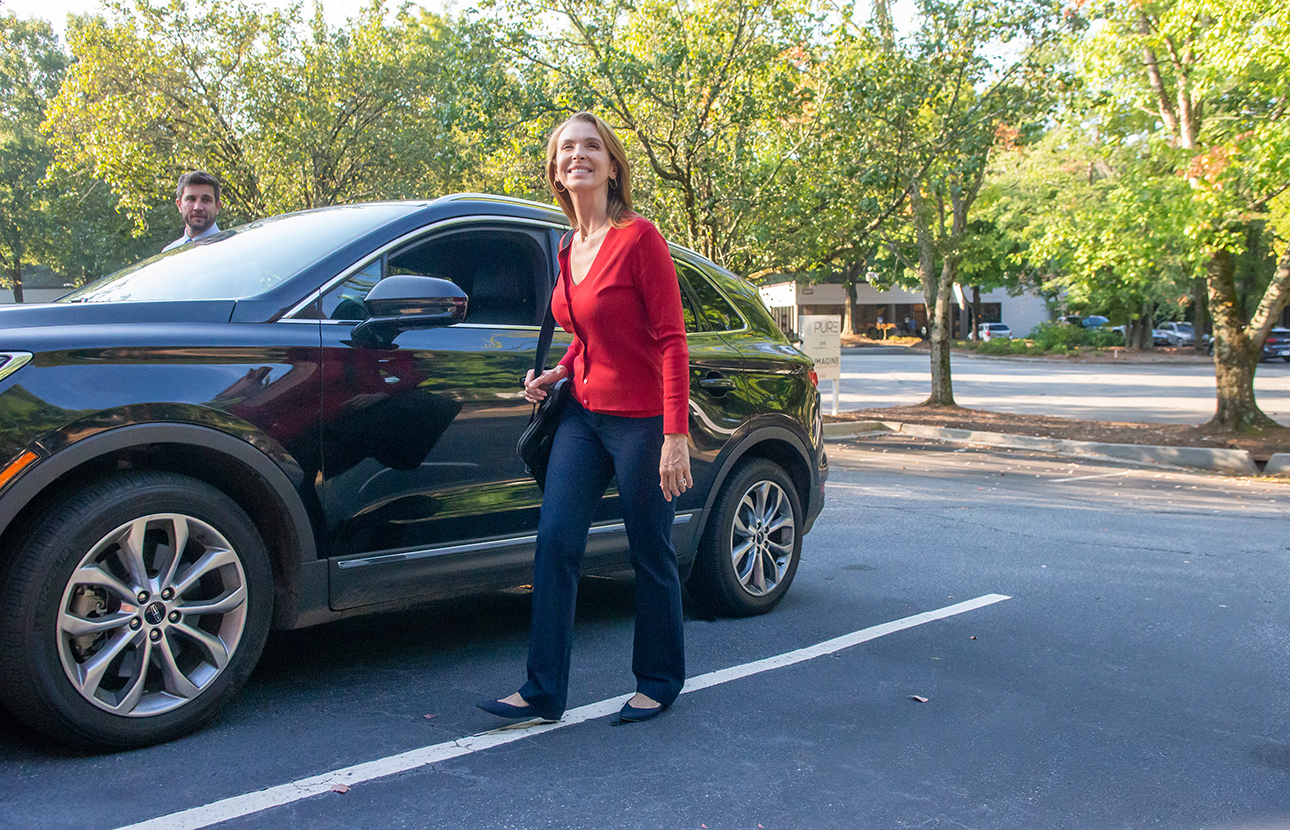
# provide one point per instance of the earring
(613, 184)
(558, 187)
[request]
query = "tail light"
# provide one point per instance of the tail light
(815, 378)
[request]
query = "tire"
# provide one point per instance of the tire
(750, 548)
(107, 640)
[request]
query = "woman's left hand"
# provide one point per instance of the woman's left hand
(674, 466)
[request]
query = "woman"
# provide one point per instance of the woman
(627, 416)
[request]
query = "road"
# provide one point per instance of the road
(1134, 677)
(1181, 393)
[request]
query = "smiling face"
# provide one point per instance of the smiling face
(582, 162)
(199, 206)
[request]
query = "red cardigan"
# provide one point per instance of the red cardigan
(629, 355)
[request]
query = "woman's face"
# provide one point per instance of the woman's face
(582, 161)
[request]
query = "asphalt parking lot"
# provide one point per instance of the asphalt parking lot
(1134, 676)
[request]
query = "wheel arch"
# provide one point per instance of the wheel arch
(773, 443)
(231, 465)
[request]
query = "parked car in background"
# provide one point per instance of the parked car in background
(1176, 334)
(1276, 345)
(993, 331)
(314, 416)
(1094, 321)
(1158, 336)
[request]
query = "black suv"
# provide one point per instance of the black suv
(314, 416)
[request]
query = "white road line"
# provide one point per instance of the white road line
(1089, 478)
(251, 803)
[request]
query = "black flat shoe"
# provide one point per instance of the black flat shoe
(507, 710)
(631, 714)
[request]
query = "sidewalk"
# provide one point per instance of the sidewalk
(1234, 462)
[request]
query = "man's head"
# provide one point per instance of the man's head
(197, 198)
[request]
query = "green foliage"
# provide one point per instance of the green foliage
(713, 98)
(289, 113)
(31, 68)
(995, 347)
(1050, 335)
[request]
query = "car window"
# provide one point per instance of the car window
(241, 262)
(716, 311)
(498, 269)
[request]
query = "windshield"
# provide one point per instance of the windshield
(241, 262)
(1183, 327)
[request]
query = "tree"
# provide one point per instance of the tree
(1092, 211)
(288, 113)
(845, 180)
(711, 94)
(973, 96)
(31, 68)
(1214, 78)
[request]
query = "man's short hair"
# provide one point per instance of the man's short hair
(198, 177)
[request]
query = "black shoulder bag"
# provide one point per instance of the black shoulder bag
(535, 442)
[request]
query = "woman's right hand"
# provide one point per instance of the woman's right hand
(535, 388)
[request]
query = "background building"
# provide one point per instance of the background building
(39, 285)
(787, 300)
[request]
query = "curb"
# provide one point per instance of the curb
(1239, 462)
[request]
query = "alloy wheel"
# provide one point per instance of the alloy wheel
(763, 538)
(152, 615)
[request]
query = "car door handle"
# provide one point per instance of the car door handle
(716, 383)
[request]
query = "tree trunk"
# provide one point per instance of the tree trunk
(1139, 331)
(882, 16)
(1236, 354)
(942, 388)
(1198, 315)
(16, 275)
(936, 297)
(975, 322)
(849, 284)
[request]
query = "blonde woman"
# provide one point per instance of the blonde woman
(627, 416)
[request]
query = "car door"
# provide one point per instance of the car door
(716, 406)
(423, 492)
(764, 387)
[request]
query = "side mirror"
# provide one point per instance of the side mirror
(406, 302)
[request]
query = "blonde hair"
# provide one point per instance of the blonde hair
(620, 194)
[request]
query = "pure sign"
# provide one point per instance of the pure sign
(822, 340)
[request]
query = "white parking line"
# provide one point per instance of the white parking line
(251, 803)
(1090, 478)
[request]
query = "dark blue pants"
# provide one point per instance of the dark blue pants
(589, 449)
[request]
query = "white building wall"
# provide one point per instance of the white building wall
(33, 295)
(1021, 313)
(780, 294)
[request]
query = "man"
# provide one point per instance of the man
(197, 198)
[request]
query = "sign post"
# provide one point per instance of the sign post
(822, 340)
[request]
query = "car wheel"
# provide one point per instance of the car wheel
(749, 551)
(132, 611)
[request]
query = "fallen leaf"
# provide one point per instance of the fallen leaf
(340, 788)
(918, 698)
(430, 717)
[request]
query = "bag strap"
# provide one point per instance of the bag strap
(548, 324)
